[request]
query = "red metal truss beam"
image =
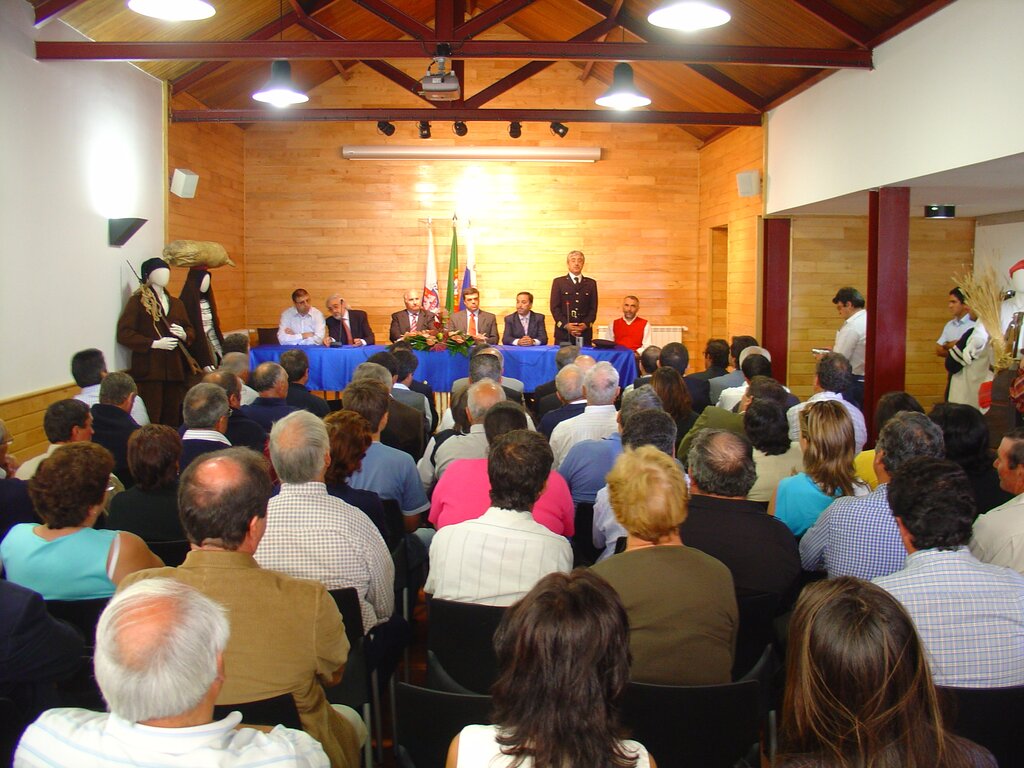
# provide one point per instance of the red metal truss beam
(478, 115)
(845, 25)
(50, 8)
(445, 18)
(252, 50)
(396, 18)
(612, 14)
(265, 32)
(489, 18)
(909, 19)
(529, 70)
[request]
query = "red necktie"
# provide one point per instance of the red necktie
(472, 324)
(348, 331)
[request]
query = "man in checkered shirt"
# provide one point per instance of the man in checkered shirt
(970, 614)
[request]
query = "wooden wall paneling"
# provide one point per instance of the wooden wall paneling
(722, 207)
(216, 152)
(23, 417)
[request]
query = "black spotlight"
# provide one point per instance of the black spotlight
(385, 127)
(940, 211)
(424, 129)
(515, 130)
(459, 128)
(559, 130)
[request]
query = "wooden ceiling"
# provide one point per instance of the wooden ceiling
(707, 82)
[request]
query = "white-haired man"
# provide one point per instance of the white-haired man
(598, 420)
(159, 662)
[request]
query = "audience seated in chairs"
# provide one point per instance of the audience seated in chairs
(160, 665)
(858, 687)
(406, 427)
(681, 602)
(351, 437)
(598, 420)
(150, 508)
(966, 437)
(675, 398)
(888, 405)
(66, 558)
(775, 455)
(563, 655)
(112, 422)
(241, 430)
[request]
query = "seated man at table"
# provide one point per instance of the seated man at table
(413, 318)
(630, 330)
(347, 326)
(303, 323)
(473, 321)
(524, 327)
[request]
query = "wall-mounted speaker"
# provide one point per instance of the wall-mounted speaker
(748, 183)
(184, 182)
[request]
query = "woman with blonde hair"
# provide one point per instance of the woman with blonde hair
(828, 444)
(681, 602)
(858, 688)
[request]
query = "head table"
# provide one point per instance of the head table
(331, 368)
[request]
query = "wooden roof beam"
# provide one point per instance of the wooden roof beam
(612, 14)
(638, 117)
(399, 19)
(845, 25)
(491, 17)
(253, 50)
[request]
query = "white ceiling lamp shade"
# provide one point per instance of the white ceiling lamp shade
(173, 10)
(688, 16)
(623, 94)
(280, 91)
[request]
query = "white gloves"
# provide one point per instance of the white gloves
(167, 343)
(178, 331)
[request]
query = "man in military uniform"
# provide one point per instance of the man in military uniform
(574, 303)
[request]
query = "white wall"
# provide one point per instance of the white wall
(999, 246)
(79, 142)
(943, 94)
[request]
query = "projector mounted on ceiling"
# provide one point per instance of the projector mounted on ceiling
(440, 85)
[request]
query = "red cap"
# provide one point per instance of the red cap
(1015, 267)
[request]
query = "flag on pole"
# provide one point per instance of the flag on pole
(453, 265)
(469, 276)
(431, 297)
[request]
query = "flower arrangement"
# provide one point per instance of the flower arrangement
(438, 339)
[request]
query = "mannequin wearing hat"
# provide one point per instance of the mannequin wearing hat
(1015, 303)
(153, 325)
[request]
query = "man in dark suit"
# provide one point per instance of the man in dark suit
(524, 327)
(205, 413)
(347, 326)
(716, 360)
(482, 326)
(569, 382)
(271, 383)
(112, 423)
(242, 431)
(296, 365)
(574, 302)
(563, 357)
(412, 318)
(422, 387)
(405, 425)
(676, 355)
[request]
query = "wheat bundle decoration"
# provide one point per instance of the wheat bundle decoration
(983, 293)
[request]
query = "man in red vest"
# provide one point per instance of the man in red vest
(629, 330)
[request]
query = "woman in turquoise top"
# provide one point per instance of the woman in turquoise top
(65, 558)
(827, 440)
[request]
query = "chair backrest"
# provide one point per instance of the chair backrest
(584, 553)
(266, 336)
(461, 635)
(82, 614)
(171, 552)
(353, 690)
(756, 630)
(277, 710)
(395, 520)
(347, 600)
(427, 721)
(13, 722)
(990, 717)
(704, 726)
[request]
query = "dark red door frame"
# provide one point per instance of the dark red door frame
(775, 293)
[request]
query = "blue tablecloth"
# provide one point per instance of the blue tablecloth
(331, 368)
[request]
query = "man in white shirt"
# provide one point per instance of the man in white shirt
(598, 420)
(852, 338)
(498, 557)
(480, 398)
(88, 368)
(160, 666)
(999, 533)
(831, 379)
(303, 323)
(956, 327)
(621, 330)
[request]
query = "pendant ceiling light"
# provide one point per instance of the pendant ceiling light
(688, 16)
(279, 90)
(623, 93)
(173, 10)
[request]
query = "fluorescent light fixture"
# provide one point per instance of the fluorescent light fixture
(688, 16)
(623, 94)
(280, 91)
(173, 10)
(513, 154)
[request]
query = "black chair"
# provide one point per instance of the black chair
(357, 688)
(461, 637)
(13, 723)
(171, 552)
(265, 336)
(756, 629)
(277, 710)
(584, 553)
(429, 720)
(704, 726)
(84, 615)
(990, 717)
